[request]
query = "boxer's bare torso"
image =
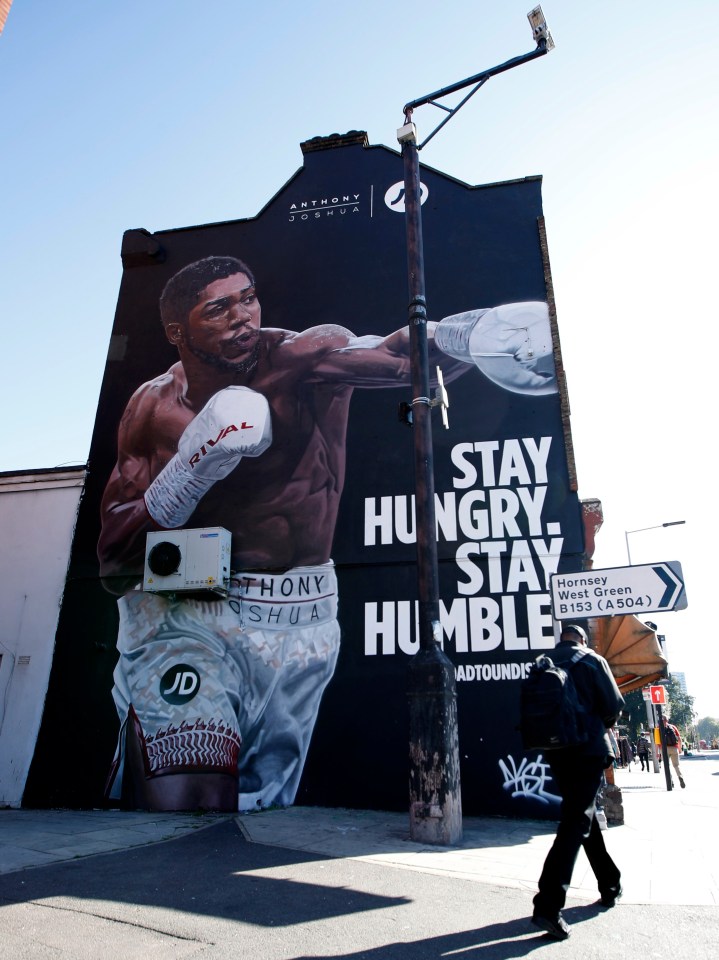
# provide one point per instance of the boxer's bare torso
(281, 507)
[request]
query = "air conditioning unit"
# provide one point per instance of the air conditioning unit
(188, 561)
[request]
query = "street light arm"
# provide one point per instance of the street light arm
(656, 526)
(479, 78)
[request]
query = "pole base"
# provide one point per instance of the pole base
(435, 812)
(436, 825)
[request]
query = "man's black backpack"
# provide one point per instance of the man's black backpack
(551, 716)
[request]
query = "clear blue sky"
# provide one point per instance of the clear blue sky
(172, 113)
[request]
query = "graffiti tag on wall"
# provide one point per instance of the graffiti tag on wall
(528, 780)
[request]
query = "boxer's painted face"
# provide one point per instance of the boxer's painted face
(223, 328)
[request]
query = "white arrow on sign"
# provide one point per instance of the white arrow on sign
(658, 695)
(616, 591)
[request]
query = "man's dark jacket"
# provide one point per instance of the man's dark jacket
(597, 691)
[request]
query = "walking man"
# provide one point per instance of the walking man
(674, 745)
(577, 772)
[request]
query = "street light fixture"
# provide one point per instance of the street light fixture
(658, 526)
(539, 27)
(435, 796)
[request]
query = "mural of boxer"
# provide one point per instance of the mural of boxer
(247, 431)
(282, 427)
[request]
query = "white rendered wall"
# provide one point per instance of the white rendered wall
(37, 517)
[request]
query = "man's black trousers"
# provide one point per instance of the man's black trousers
(577, 779)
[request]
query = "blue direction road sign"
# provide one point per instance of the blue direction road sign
(616, 591)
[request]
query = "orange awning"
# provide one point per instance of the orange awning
(631, 649)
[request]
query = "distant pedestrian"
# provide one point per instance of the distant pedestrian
(674, 745)
(577, 773)
(643, 747)
(625, 753)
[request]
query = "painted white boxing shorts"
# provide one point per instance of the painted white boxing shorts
(230, 685)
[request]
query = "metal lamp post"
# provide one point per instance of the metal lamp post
(658, 526)
(435, 794)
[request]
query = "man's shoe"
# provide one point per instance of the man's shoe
(610, 897)
(556, 927)
(682, 783)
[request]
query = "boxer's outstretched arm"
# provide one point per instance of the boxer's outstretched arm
(375, 361)
(511, 345)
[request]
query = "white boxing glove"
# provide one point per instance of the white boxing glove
(511, 344)
(233, 424)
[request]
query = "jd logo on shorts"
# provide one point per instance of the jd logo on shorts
(180, 684)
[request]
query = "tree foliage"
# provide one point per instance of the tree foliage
(708, 728)
(680, 708)
(634, 715)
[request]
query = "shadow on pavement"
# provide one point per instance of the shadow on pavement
(495, 941)
(207, 873)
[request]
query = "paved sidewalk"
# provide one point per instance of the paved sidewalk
(666, 849)
(34, 838)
